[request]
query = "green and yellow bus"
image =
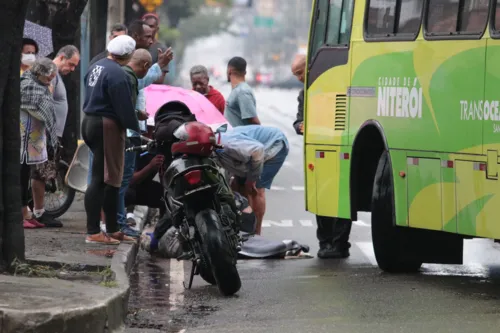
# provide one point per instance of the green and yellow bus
(402, 119)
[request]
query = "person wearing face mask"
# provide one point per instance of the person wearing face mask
(28, 54)
(38, 130)
(66, 61)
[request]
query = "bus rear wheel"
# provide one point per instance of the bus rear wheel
(396, 251)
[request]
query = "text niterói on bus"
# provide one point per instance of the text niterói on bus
(399, 97)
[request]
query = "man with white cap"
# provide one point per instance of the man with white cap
(109, 111)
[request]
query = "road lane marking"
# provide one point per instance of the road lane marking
(281, 188)
(176, 297)
(362, 224)
(282, 223)
(306, 223)
(367, 249)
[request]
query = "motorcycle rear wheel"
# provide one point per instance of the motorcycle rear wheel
(61, 185)
(206, 274)
(217, 249)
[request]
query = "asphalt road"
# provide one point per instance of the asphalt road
(311, 295)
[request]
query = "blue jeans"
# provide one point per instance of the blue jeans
(128, 173)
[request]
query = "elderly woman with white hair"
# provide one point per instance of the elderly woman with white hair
(38, 131)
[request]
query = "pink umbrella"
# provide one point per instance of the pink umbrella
(159, 94)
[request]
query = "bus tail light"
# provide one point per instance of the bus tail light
(447, 164)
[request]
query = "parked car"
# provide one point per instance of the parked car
(288, 83)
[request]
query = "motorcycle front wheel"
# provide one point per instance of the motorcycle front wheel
(218, 252)
(58, 195)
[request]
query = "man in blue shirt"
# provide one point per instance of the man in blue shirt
(254, 154)
(241, 106)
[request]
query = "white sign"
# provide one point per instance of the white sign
(399, 97)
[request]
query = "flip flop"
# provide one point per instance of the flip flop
(28, 225)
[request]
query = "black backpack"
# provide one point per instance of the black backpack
(167, 119)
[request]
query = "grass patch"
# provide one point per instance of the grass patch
(109, 284)
(19, 268)
(108, 278)
(105, 277)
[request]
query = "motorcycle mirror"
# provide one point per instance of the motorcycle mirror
(222, 129)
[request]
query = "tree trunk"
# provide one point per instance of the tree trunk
(12, 15)
(63, 17)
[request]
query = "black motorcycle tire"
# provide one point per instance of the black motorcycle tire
(206, 274)
(61, 175)
(217, 250)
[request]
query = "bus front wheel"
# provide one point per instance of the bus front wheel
(395, 249)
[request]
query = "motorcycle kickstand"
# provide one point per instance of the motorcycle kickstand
(191, 276)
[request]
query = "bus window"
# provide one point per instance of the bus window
(442, 16)
(473, 16)
(381, 16)
(339, 22)
(319, 31)
(392, 17)
(452, 16)
(410, 16)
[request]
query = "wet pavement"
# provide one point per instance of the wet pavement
(311, 295)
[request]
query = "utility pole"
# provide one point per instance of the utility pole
(116, 13)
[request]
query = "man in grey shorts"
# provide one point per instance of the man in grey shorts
(241, 106)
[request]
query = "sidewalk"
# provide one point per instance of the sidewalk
(71, 286)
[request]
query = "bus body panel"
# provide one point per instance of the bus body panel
(437, 103)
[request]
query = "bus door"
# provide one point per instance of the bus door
(487, 222)
(328, 72)
(326, 103)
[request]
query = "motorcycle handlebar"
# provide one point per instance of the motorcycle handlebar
(151, 143)
(145, 138)
(137, 148)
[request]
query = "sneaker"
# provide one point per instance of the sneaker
(330, 252)
(120, 236)
(28, 225)
(101, 238)
(130, 232)
(131, 222)
(48, 221)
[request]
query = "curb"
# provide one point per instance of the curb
(105, 313)
(122, 263)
